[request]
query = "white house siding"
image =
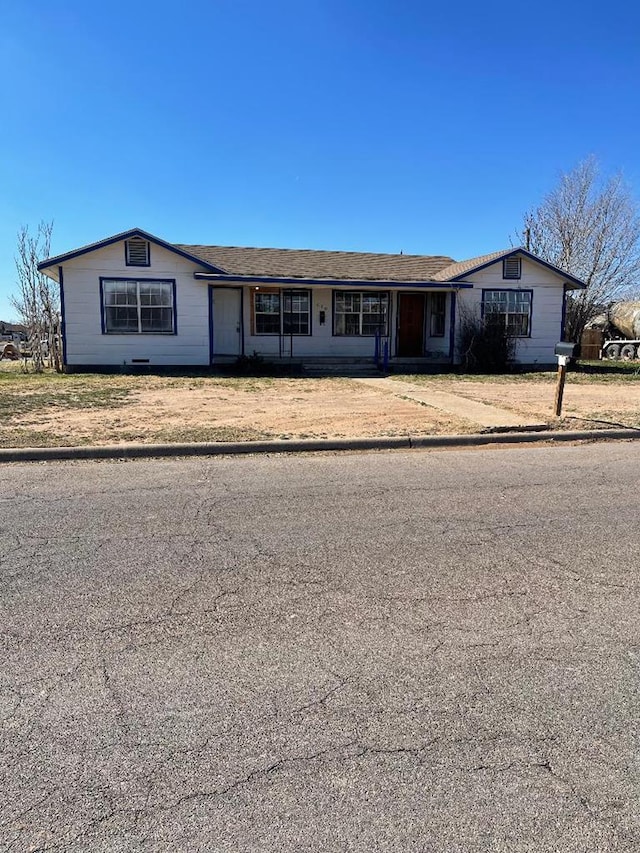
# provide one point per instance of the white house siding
(546, 313)
(87, 345)
(85, 342)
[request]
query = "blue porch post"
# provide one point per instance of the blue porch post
(452, 326)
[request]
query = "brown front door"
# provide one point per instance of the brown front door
(411, 324)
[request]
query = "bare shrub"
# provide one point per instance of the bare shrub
(484, 345)
(38, 300)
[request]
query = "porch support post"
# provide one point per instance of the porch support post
(242, 320)
(452, 326)
(210, 325)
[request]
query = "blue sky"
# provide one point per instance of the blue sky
(377, 126)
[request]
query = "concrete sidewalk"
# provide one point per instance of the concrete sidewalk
(488, 417)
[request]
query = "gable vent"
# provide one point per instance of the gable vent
(136, 252)
(511, 268)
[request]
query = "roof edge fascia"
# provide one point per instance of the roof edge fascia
(227, 278)
(520, 250)
(56, 260)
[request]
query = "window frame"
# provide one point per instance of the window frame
(384, 333)
(432, 314)
(505, 261)
(127, 260)
(281, 293)
(506, 314)
(138, 281)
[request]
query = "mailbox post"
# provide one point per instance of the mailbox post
(565, 351)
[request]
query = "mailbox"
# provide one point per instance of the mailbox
(568, 349)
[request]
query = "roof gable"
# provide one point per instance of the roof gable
(462, 269)
(127, 235)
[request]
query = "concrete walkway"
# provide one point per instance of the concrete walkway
(488, 417)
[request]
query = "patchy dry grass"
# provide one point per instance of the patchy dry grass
(49, 410)
(580, 373)
(79, 409)
(597, 394)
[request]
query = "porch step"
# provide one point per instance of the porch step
(366, 368)
(348, 370)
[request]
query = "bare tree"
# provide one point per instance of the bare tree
(589, 227)
(38, 298)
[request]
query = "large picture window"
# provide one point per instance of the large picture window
(363, 313)
(138, 307)
(286, 312)
(511, 308)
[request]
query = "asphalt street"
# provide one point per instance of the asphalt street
(398, 651)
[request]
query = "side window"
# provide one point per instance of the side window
(138, 307)
(437, 314)
(511, 308)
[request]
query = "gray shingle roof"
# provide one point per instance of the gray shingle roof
(317, 264)
(313, 264)
(461, 267)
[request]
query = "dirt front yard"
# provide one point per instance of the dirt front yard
(591, 399)
(53, 410)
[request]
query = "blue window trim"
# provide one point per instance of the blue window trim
(127, 262)
(511, 290)
(103, 324)
(387, 332)
(63, 328)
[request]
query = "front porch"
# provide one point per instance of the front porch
(327, 329)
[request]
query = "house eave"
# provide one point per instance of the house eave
(571, 282)
(55, 261)
(329, 282)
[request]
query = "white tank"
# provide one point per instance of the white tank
(625, 316)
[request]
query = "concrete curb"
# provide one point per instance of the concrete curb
(141, 451)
